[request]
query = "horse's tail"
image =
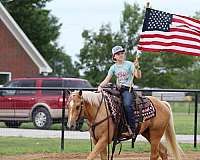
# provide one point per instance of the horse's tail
(170, 136)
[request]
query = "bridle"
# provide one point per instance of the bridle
(93, 125)
(79, 115)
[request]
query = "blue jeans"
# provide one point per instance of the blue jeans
(128, 104)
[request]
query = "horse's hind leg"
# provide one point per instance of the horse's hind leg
(163, 152)
(156, 147)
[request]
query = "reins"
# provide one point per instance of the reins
(101, 121)
(108, 127)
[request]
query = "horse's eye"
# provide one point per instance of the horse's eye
(77, 107)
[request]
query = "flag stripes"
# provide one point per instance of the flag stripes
(183, 35)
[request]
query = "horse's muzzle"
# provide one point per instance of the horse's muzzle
(71, 126)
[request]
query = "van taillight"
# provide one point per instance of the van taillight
(60, 101)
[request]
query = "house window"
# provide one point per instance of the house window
(4, 77)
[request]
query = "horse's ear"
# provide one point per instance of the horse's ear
(68, 92)
(80, 93)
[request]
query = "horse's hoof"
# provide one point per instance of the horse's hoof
(89, 158)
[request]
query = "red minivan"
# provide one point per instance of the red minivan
(42, 107)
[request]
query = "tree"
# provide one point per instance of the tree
(95, 56)
(42, 28)
(163, 69)
(130, 24)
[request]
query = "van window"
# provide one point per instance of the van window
(54, 84)
(20, 83)
(26, 83)
(77, 84)
(12, 84)
(9, 85)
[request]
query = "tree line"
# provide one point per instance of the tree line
(162, 70)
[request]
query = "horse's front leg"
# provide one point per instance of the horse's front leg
(104, 154)
(100, 147)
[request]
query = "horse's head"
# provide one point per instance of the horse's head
(75, 108)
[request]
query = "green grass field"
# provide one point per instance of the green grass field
(20, 145)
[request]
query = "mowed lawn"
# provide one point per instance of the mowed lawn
(20, 145)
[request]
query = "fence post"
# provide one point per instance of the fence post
(63, 121)
(195, 119)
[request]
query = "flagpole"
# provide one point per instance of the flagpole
(137, 55)
(147, 3)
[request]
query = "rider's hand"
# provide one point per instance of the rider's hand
(136, 63)
(99, 89)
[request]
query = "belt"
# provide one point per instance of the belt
(125, 87)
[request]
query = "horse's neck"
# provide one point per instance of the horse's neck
(90, 112)
(94, 112)
(95, 109)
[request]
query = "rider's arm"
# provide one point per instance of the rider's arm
(105, 81)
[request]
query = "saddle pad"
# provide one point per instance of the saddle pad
(144, 109)
(113, 103)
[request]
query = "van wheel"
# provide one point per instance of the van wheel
(13, 124)
(42, 118)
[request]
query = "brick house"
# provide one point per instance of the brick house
(18, 56)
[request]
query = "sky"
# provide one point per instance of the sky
(77, 15)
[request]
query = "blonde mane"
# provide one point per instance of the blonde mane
(92, 97)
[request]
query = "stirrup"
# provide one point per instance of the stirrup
(127, 135)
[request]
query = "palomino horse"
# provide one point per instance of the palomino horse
(90, 105)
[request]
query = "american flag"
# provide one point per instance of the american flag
(170, 33)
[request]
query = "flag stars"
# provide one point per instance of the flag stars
(158, 20)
